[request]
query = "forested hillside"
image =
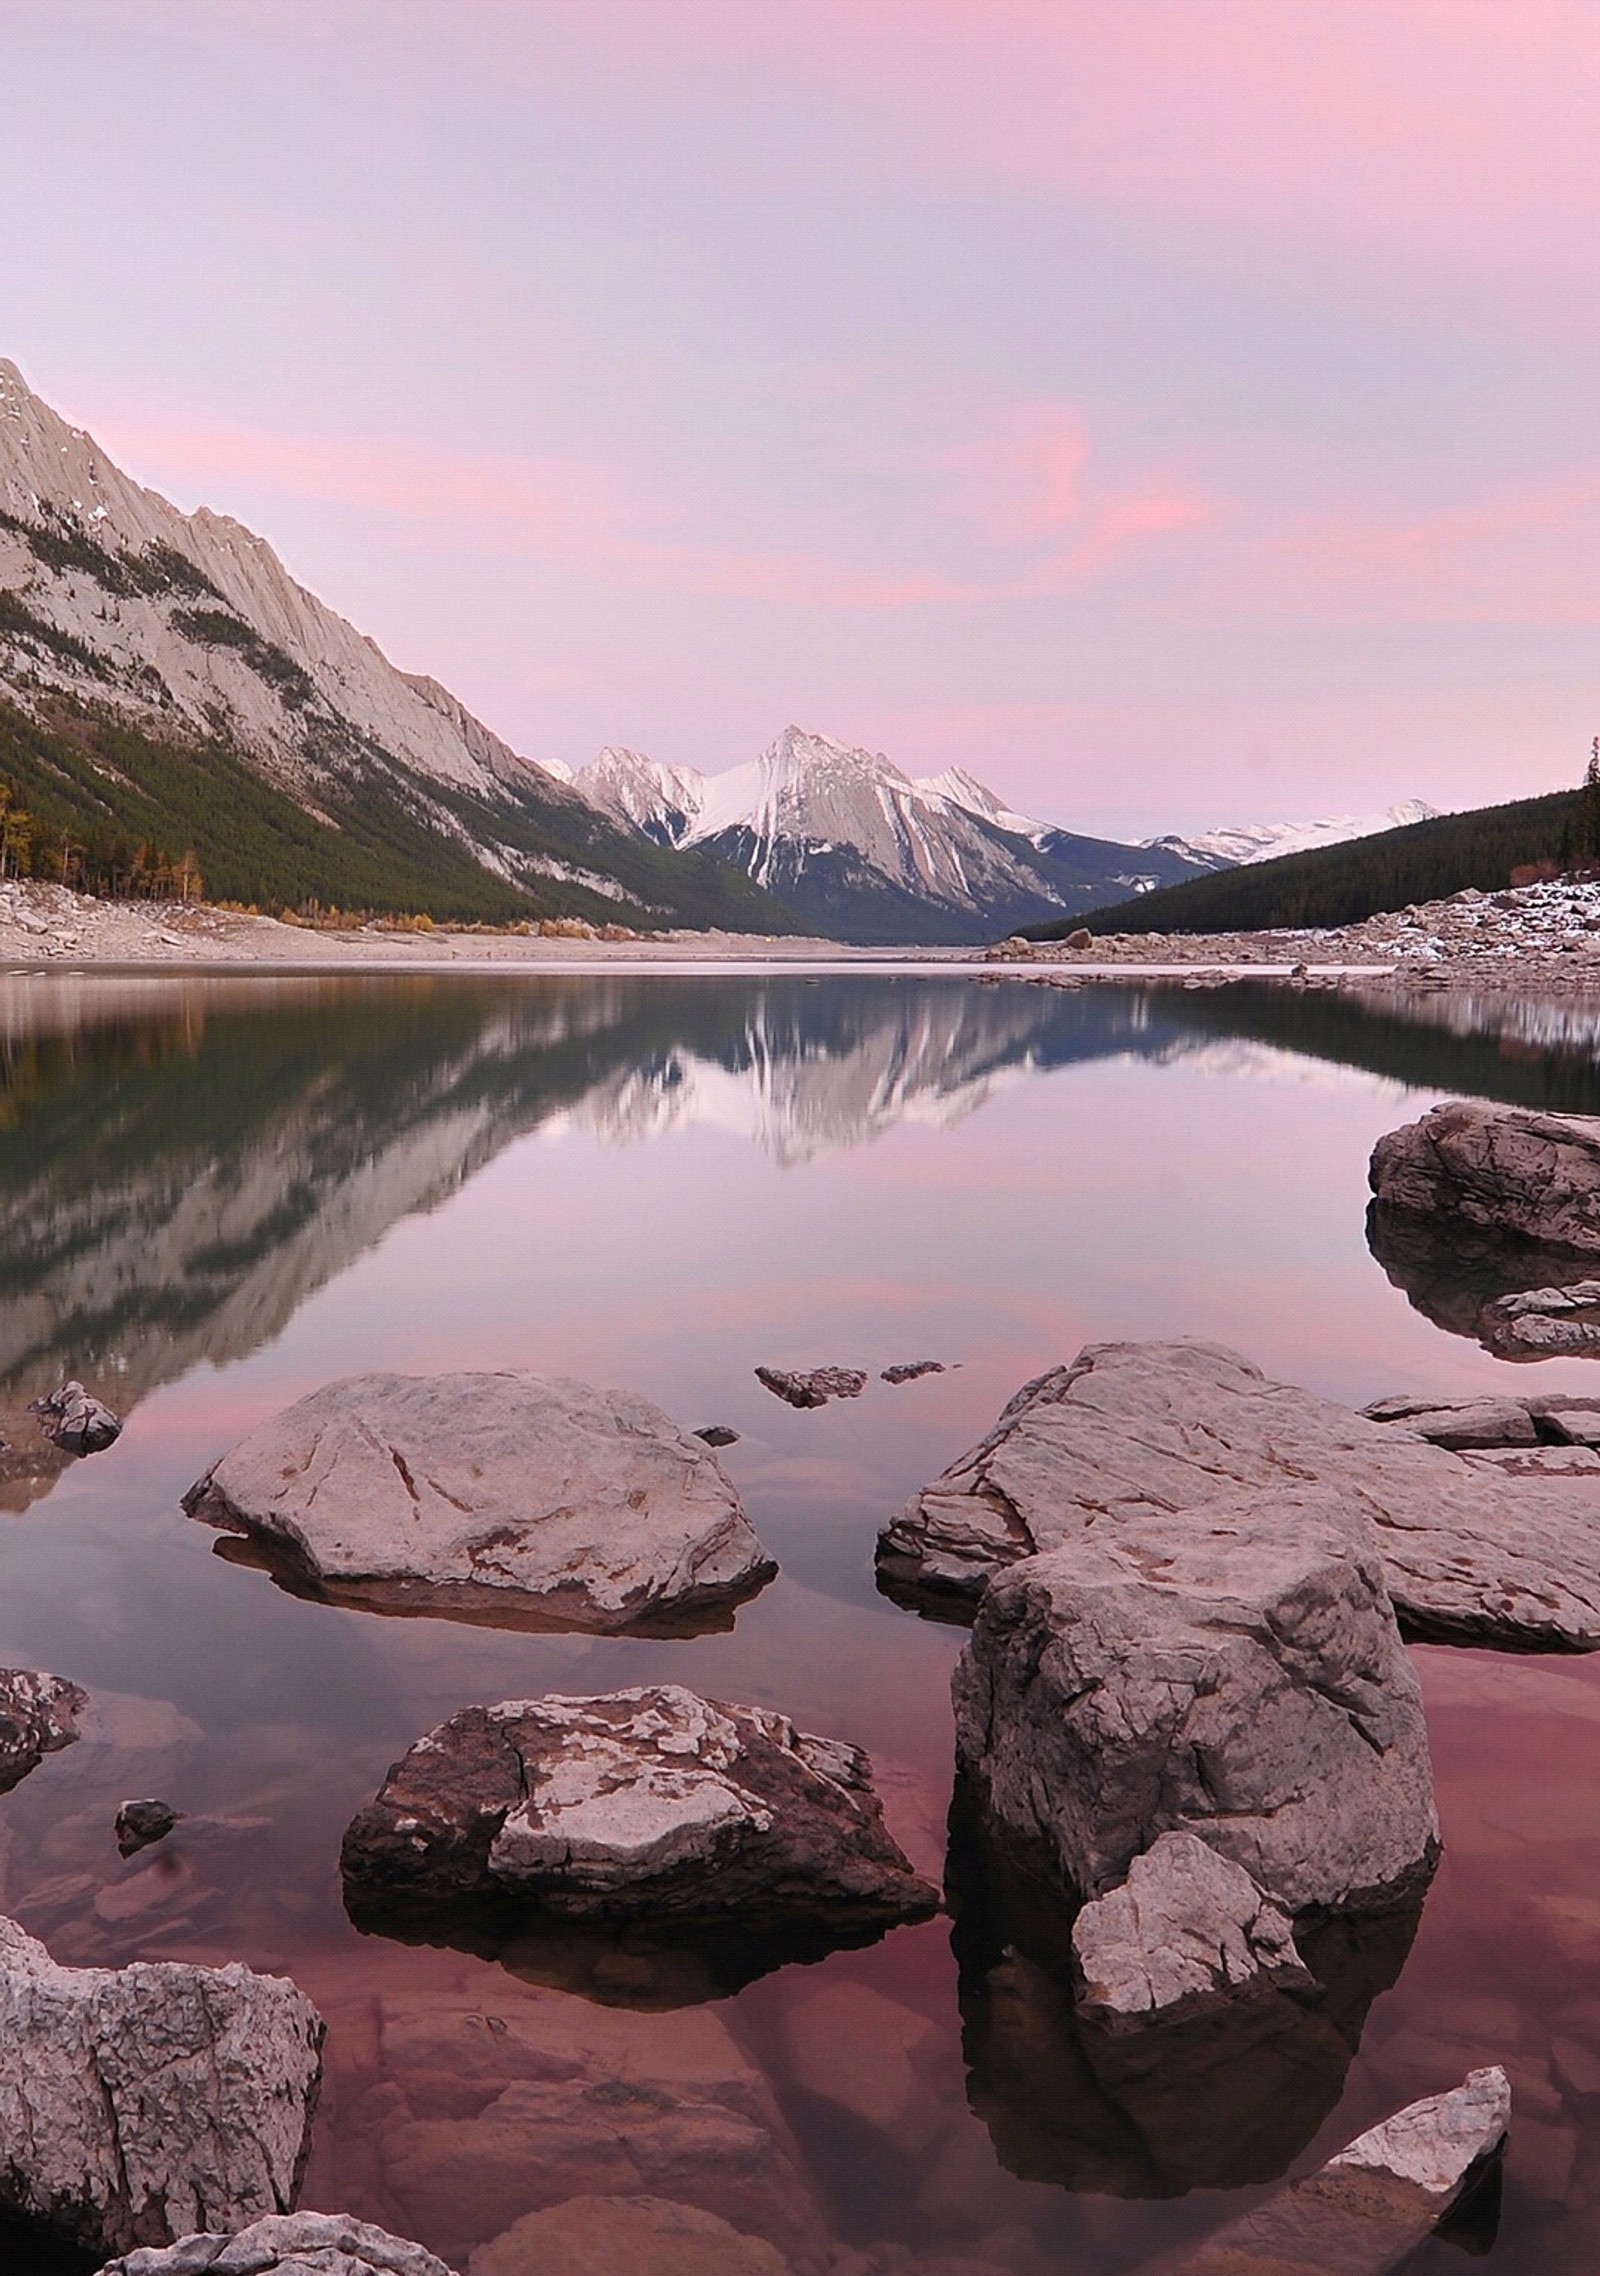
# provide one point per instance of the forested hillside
(1339, 885)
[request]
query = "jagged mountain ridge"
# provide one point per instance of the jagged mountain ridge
(866, 852)
(119, 610)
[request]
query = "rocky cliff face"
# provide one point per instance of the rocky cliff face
(187, 627)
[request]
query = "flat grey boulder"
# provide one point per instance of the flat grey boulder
(1235, 1673)
(1535, 1175)
(515, 1499)
(649, 1804)
(1460, 1423)
(38, 1716)
(1187, 1930)
(1161, 1433)
(150, 2102)
(286, 2244)
(1543, 1323)
(1368, 2208)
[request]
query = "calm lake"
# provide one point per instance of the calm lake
(216, 1195)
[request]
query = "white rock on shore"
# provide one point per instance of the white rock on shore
(286, 2244)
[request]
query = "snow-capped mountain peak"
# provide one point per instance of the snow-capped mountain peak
(1246, 842)
(658, 800)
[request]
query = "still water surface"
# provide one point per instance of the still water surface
(217, 1195)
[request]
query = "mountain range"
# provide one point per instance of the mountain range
(167, 689)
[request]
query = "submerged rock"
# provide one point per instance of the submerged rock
(1543, 1323)
(651, 1806)
(718, 1434)
(145, 2103)
(912, 1370)
(1232, 1672)
(1170, 1434)
(76, 1421)
(1185, 1931)
(287, 2244)
(38, 1716)
(514, 1499)
(635, 2236)
(815, 1386)
(1368, 2208)
(143, 1822)
(1534, 1175)
(1519, 1300)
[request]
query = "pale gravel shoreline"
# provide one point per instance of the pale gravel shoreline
(1542, 940)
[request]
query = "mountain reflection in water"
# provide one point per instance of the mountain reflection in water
(183, 1162)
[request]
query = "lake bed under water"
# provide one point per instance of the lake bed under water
(216, 1195)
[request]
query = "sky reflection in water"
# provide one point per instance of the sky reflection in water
(216, 1195)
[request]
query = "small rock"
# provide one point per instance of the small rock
(1187, 1929)
(287, 2244)
(76, 1422)
(814, 1387)
(718, 1434)
(1081, 938)
(1460, 1423)
(140, 1823)
(908, 1370)
(38, 1716)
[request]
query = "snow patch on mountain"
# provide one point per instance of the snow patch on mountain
(1246, 842)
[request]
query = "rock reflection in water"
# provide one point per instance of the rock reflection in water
(1214, 2101)
(1453, 1272)
(617, 1965)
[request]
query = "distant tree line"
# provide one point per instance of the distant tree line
(1339, 885)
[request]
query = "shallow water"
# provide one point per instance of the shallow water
(216, 1195)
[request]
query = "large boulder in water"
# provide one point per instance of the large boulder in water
(688, 1815)
(515, 1499)
(1169, 1434)
(1497, 1167)
(1232, 1672)
(145, 2103)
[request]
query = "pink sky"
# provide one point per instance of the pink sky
(1176, 412)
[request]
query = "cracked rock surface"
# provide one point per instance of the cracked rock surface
(514, 1499)
(145, 2103)
(286, 2244)
(1504, 1168)
(1132, 1436)
(38, 1716)
(1234, 1673)
(648, 1804)
(1186, 1930)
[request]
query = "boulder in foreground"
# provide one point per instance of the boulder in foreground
(286, 2244)
(145, 2103)
(651, 1805)
(1505, 1168)
(1174, 1434)
(644, 2236)
(1368, 2208)
(38, 1716)
(1234, 1673)
(514, 1499)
